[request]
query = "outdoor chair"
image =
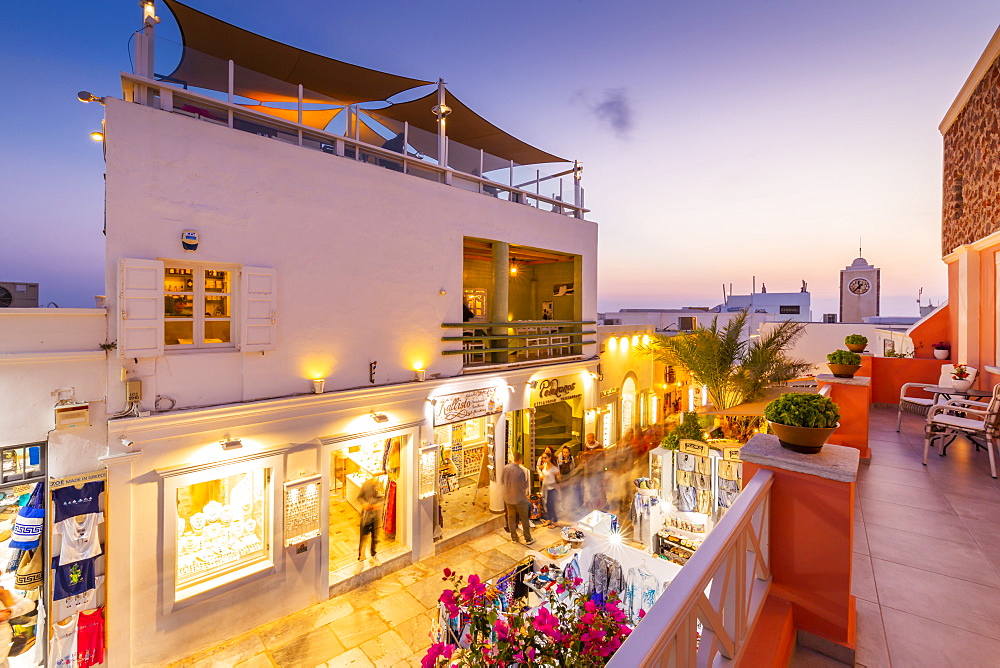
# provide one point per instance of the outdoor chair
(919, 405)
(961, 417)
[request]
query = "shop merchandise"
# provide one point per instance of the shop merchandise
(641, 591)
(90, 638)
(62, 646)
(28, 525)
(572, 570)
(727, 498)
(685, 461)
(730, 470)
(703, 465)
(647, 517)
(605, 576)
(69, 606)
(685, 478)
(73, 578)
(389, 515)
(687, 499)
(29, 571)
(704, 501)
(702, 481)
(686, 525)
(80, 538)
(71, 501)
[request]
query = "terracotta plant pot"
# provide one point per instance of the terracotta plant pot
(807, 440)
(844, 370)
(856, 347)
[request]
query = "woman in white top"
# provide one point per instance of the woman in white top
(549, 472)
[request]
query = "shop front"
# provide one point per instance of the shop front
(465, 429)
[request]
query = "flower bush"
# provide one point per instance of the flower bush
(569, 630)
(961, 372)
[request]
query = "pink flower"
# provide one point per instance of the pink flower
(437, 650)
(447, 574)
(642, 613)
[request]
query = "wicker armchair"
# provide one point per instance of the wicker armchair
(972, 419)
(920, 405)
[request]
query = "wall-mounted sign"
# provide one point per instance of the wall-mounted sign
(302, 509)
(610, 391)
(466, 405)
(692, 447)
(554, 390)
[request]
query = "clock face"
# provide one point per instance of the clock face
(859, 286)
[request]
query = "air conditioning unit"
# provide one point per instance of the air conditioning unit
(18, 295)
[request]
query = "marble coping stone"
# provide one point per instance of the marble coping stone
(857, 380)
(833, 462)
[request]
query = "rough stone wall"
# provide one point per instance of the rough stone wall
(971, 197)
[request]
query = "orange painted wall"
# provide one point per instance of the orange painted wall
(953, 314)
(987, 310)
(811, 551)
(935, 328)
(891, 372)
(854, 402)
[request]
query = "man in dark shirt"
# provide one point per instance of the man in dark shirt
(514, 479)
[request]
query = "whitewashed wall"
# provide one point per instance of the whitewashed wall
(822, 338)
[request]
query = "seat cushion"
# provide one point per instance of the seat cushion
(961, 423)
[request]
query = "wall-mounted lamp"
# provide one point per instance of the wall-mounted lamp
(421, 374)
(319, 384)
(440, 110)
(510, 388)
(87, 96)
(231, 444)
(97, 136)
(432, 402)
(532, 384)
(380, 417)
(127, 443)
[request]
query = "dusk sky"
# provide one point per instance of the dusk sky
(721, 140)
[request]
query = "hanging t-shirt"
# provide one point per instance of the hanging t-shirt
(62, 646)
(73, 578)
(80, 538)
(90, 638)
(69, 606)
(70, 501)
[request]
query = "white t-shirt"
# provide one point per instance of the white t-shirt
(80, 539)
(549, 477)
(62, 647)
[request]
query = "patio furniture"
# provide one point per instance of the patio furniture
(919, 405)
(961, 417)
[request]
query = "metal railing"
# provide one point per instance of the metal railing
(722, 589)
(487, 343)
(167, 97)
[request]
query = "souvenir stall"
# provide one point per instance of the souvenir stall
(22, 522)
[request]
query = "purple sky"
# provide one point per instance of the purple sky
(721, 140)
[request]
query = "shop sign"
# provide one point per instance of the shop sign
(731, 454)
(302, 510)
(554, 390)
(609, 392)
(466, 405)
(692, 447)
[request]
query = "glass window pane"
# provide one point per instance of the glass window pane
(178, 280)
(216, 307)
(217, 331)
(222, 526)
(178, 306)
(216, 281)
(178, 333)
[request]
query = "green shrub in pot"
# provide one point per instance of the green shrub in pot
(856, 340)
(843, 357)
(802, 422)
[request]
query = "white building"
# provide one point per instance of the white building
(448, 316)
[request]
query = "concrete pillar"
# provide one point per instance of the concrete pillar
(853, 397)
(501, 284)
(811, 540)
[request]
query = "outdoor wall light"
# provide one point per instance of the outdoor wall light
(127, 443)
(421, 374)
(532, 384)
(97, 136)
(440, 110)
(380, 417)
(319, 384)
(231, 444)
(87, 96)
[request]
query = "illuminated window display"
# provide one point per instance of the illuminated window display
(222, 526)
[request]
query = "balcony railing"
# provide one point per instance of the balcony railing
(719, 592)
(175, 99)
(520, 341)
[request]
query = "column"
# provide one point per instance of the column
(498, 310)
(853, 397)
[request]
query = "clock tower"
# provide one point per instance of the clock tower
(860, 289)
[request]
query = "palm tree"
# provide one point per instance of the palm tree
(732, 368)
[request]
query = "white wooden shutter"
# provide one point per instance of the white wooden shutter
(140, 308)
(258, 308)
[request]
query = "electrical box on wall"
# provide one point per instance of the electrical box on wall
(72, 415)
(133, 391)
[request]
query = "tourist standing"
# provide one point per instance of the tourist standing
(514, 479)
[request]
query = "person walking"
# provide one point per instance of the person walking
(370, 500)
(549, 473)
(514, 478)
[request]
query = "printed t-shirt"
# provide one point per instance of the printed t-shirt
(69, 606)
(62, 646)
(90, 638)
(70, 501)
(73, 578)
(80, 538)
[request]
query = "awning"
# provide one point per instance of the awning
(205, 35)
(467, 127)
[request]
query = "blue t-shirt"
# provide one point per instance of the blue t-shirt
(70, 501)
(73, 578)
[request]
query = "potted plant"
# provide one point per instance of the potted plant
(961, 379)
(942, 350)
(856, 343)
(802, 422)
(843, 363)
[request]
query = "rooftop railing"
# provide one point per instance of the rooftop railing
(176, 99)
(707, 614)
(519, 341)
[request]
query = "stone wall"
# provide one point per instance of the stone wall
(971, 197)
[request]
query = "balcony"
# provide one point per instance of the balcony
(489, 344)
